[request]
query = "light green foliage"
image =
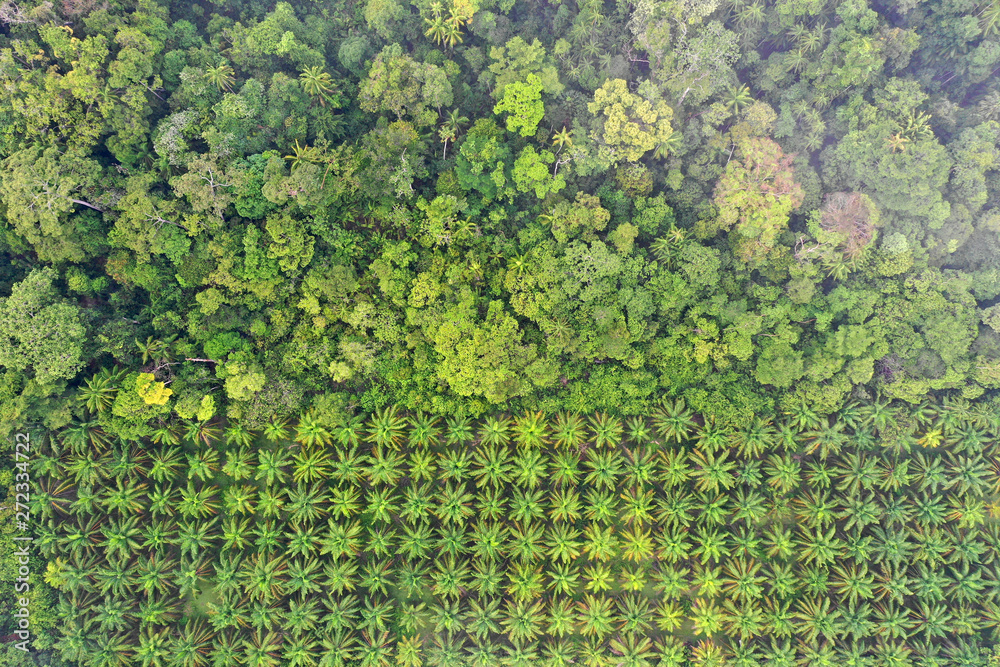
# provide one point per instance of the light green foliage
(975, 153)
(390, 160)
(629, 125)
(488, 358)
(44, 190)
(39, 331)
(700, 63)
(484, 160)
(582, 217)
(382, 15)
(515, 61)
(399, 84)
(242, 378)
(522, 102)
(908, 182)
(290, 243)
(281, 36)
(131, 406)
(441, 225)
(531, 173)
(151, 391)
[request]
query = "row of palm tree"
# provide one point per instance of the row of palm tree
(85, 458)
(879, 423)
(196, 644)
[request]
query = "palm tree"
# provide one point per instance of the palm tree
(384, 467)
(565, 469)
(826, 438)
(451, 127)
(100, 390)
(738, 98)
(375, 649)
(569, 430)
(495, 431)
(193, 537)
(458, 430)
(564, 505)
(202, 465)
(238, 434)
(302, 154)
(310, 432)
(607, 430)
(198, 503)
(221, 76)
(262, 649)
(203, 432)
(493, 467)
(239, 464)
(562, 139)
(436, 29)
(276, 430)
(783, 472)
(595, 616)
(526, 505)
(386, 427)
(605, 468)
(712, 472)
(529, 468)
(310, 466)
(423, 430)
(673, 420)
(454, 504)
(531, 430)
(271, 467)
(318, 84)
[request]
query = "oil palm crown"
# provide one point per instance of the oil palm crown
(605, 468)
(424, 430)
(531, 429)
(495, 430)
(641, 467)
(673, 420)
(99, 392)
(639, 431)
(201, 431)
(386, 427)
(458, 430)
(569, 430)
(239, 464)
(607, 430)
(276, 430)
(493, 467)
(712, 472)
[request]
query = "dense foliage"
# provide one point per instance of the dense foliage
(463, 205)
(376, 217)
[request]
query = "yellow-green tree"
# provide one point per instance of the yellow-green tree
(630, 125)
(151, 391)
